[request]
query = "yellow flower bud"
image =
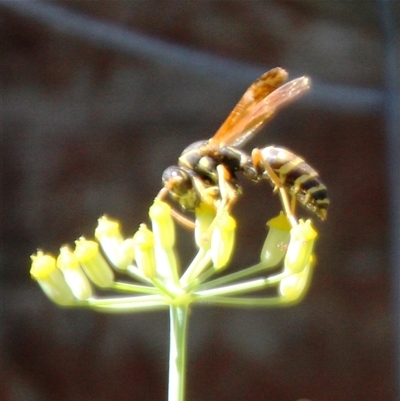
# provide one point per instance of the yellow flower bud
(127, 249)
(110, 238)
(294, 287)
(162, 224)
(144, 251)
(223, 240)
(108, 228)
(167, 264)
(93, 262)
(73, 274)
(275, 244)
(205, 215)
(50, 279)
(302, 238)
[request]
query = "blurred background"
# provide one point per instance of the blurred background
(99, 97)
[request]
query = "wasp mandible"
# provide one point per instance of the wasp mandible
(207, 170)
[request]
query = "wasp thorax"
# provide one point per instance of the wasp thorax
(195, 145)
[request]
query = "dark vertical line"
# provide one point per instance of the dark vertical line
(392, 121)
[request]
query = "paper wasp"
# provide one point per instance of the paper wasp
(207, 170)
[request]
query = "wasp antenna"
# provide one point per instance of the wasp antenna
(182, 220)
(163, 193)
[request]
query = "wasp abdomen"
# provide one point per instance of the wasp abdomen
(299, 179)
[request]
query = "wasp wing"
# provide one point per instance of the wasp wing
(257, 115)
(263, 112)
(261, 88)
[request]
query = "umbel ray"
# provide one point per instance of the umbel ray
(207, 170)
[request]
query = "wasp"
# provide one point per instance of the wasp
(207, 170)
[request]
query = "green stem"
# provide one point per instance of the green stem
(199, 263)
(177, 352)
(134, 288)
(247, 302)
(235, 289)
(132, 304)
(249, 271)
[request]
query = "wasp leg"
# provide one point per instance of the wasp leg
(228, 194)
(222, 200)
(180, 218)
(293, 205)
(220, 196)
(209, 194)
(288, 207)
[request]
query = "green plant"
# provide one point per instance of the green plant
(150, 260)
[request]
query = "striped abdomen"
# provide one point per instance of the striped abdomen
(299, 178)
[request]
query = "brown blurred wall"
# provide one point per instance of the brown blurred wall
(88, 130)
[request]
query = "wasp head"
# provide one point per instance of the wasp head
(179, 183)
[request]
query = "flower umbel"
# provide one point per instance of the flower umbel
(149, 259)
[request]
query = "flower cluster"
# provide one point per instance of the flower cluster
(157, 282)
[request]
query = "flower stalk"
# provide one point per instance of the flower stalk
(177, 352)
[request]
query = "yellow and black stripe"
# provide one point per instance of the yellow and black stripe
(299, 178)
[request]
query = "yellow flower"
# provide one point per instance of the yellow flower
(302, 238)
(73, 274)
(143, 243)
(93, 262)
(223, 240)
(162, 224)
(294, 287)
(205, 215)
(110, 238)
(50, 279)
(275, 245)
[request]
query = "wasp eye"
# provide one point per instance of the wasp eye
(177, 180)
